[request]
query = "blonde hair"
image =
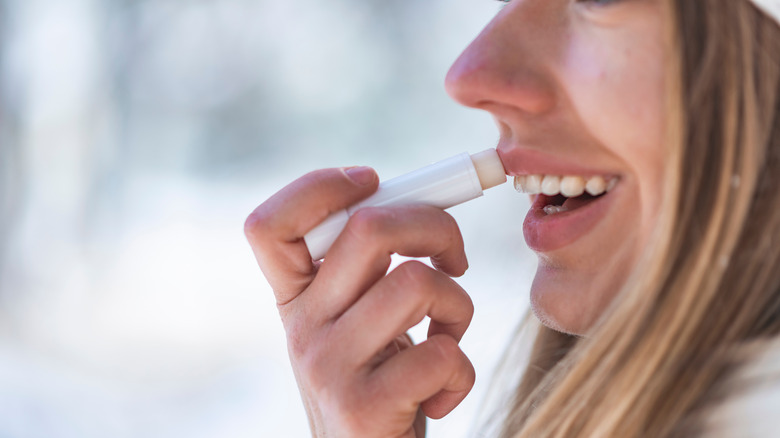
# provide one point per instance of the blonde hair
(710, 285)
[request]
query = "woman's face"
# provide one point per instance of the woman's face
(577, 89)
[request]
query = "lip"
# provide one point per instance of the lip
(546, 233)
(524, 161)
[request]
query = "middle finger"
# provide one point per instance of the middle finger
(397, 303)
(362, 253)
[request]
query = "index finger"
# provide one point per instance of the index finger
(276, 228)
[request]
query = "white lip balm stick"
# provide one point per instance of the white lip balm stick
(444, 184)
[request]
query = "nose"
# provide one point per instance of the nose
(505, 67)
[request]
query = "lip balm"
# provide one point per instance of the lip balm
(443, 184)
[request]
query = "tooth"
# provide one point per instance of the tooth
(552, 209)
(530, 184)
(569, 186)
(551, 185)
(596, 186)
(572, 186)
(520, 183)
(611, 184)
(533, 184)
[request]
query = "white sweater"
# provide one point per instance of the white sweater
(752, 409)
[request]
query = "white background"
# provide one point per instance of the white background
(136, 136)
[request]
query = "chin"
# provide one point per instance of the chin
(562, 303)
(575, 285)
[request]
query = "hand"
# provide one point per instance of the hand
(346, 317)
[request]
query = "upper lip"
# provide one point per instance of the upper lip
(520, 160)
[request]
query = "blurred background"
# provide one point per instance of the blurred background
(135, 138)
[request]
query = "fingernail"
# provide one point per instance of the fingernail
(361, 175)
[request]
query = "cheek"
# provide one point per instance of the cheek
(618, 94)
(617, 91)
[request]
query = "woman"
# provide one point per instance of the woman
(655, 298)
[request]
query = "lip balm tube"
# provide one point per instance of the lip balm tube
(443, 184)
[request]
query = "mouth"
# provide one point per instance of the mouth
(567, 205)
(556, 220)
(560, 204)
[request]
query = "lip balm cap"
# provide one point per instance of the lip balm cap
(320, 239)
(489, 167)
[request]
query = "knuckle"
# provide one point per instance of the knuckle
(449, 223)
(312, 367)
(452, 231)
(468, 305)
(351, 405)
(309, 180)
(265, 217)
(256, 223)
(446, 224)
(348, 408)
(313, 356)
(446, 347)
(366, 223)
(317, 380)
(412, 276)
(321, 176)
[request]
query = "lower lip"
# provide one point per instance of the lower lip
(545, 233)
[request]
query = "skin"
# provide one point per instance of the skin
(358, 372)
(570, 77)
(583, 81)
